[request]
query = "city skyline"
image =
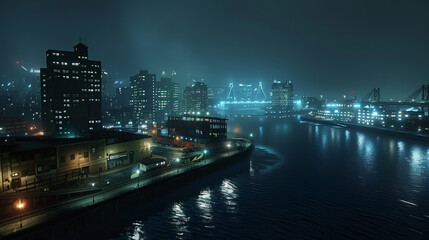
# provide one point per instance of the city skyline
(335, 47)
(214, 119)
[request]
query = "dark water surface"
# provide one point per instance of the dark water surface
(308, 181)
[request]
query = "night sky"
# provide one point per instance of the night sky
(323, 47)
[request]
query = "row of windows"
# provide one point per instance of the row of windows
(91, 90)
(73, 157)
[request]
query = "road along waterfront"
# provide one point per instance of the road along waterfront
(309, 181)
(11, 227)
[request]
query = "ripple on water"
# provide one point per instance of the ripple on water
(358, 189)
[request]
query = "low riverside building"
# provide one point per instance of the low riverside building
(12, 126)
(189, 130)
(397, 117)
(152, 163)
(342, 111)
(46, 161)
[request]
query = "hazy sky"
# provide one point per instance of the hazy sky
(323, 47)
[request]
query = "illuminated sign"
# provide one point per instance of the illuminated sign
(118, 156)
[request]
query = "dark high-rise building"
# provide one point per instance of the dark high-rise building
(142, 98)
(105, 86)
(282, 98)
(71, 93)
(166, 99)
(122, 98)
(195, 98)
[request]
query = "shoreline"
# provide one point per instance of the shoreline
(389, 132)
(80, 207)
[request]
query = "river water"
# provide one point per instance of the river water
(305, 181)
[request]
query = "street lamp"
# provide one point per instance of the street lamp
(229, 147)
(138, 178)
(93, 193)
(205, 157)
(20, 207)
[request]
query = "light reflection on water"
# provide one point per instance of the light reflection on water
(138, 233)
(418, 162)
(230, 193)
(347, 134)
(204, 204)
(179, 220)
(371, 182)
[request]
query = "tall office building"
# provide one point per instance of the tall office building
(195, 98)
(282, 98)
(71, 93)
(142, 97)
(105, 86)
(166, 99)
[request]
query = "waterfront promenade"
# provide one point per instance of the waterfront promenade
(392, 132)
(121, 183)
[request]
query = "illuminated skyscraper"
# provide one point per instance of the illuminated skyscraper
(166, 99)
(142, 97)
(282, 98)
(71, 93)
(195, 98)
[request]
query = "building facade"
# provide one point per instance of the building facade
(71, 93)
(166, 99)
(282, 98)
(196, 129)
(195, 98)
(47, 161)
(142, 97)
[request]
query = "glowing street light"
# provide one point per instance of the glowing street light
(20, 207)
(93, 193)
(229, 147)
(138, 179)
